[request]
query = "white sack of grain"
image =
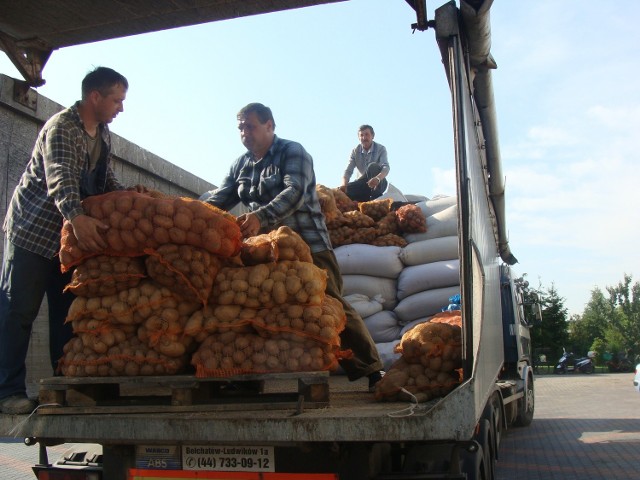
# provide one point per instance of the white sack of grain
(363, 259)
(424, 304)
(430, 250)
(383, 326)
(428, 276)
(372, 286)
(441, 224)
(365, 305)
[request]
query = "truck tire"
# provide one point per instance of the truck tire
(477, 465)
(526, 405)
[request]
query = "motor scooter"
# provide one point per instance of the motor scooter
(571, 363)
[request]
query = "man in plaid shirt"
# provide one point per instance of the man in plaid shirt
(70, 161)
(276, 181)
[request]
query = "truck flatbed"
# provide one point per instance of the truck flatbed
(238, 418)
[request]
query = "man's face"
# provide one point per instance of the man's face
(108, 107)
(366, 138)
(255, 136)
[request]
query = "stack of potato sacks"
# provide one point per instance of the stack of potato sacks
(396, 286)
(177, 286)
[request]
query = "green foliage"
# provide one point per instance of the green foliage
(610, 325)
(553, 333)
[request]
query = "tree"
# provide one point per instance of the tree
(625, 298)
(592, 324)
(552, 334)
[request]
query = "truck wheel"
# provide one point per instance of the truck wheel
(526, 405)
(480, 464)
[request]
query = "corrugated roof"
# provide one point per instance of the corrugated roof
(30, 31)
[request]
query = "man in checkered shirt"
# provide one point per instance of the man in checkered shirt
(275, 179)
(70, 161)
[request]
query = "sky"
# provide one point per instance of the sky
(567, 102)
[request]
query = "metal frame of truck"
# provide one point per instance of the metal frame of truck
(457, 436)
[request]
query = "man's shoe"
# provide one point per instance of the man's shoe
(374, 378)
(17, 405)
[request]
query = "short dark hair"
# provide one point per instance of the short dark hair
(102, 79)
(367, 127)
(263, 112)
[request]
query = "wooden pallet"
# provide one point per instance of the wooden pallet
(183, 393)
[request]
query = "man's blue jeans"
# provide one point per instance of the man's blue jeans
(24, 280)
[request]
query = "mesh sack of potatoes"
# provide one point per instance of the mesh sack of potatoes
(337, 221)
(163, 330)
(137, 221)
(189, 271)
(452, 317)
(364, 235)
(389, 240)
(128, 307)
(414, 382)
(343, 202)
(298, 322)
(99, 335)
(277, 245)
(341, 236)
(230, 353)
(106, 275)
(130, 357)
(376, 209)
(411, 219)
(357, 219)
(219, 319)
(431, 339)
(327, 203)
(388, 224)
(270, 284)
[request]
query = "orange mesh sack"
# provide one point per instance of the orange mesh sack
(105, 275)
(389, 240)
(364, 235)
(357, 219)
(230, 353)
(219, 319)
(319, 322)
(189, 271)
(270, 284)
(138, 221)
(376, 209)
(128, 307)
(327, 203)
(388, 224)
(342, 236)
(414, 382)
(432, 339)
(343, 202)
(277, 245)
(127, 358)
(411, 219)
(452, 317)
(98, 336)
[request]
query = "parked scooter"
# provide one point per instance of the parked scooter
(571, 363)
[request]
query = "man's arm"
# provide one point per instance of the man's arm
(351, 165)
(225, 196)
(383, 162)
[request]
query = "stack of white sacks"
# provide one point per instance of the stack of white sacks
(395, 288)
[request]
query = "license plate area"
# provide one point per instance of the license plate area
(228, 458)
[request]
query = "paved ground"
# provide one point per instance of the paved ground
(585, 427)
